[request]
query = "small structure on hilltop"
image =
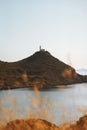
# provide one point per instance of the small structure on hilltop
(40, 49)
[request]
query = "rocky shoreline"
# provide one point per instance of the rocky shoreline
(39, 124)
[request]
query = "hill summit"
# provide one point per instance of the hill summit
(40, 70)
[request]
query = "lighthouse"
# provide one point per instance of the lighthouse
(40, 49)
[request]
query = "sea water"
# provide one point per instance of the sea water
(63, 104)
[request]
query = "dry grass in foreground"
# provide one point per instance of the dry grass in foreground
(38, 124)
(31, 124)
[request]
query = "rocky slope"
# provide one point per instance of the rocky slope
(41, 70)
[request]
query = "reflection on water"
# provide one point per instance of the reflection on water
(57, 105)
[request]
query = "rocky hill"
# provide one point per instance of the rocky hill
(40, 70)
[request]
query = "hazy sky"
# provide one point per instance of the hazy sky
(60, 26)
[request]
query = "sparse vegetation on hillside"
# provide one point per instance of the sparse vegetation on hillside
(41, 69)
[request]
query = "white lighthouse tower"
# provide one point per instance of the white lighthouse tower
(40, 49)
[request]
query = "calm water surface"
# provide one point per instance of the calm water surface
(66, 103)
